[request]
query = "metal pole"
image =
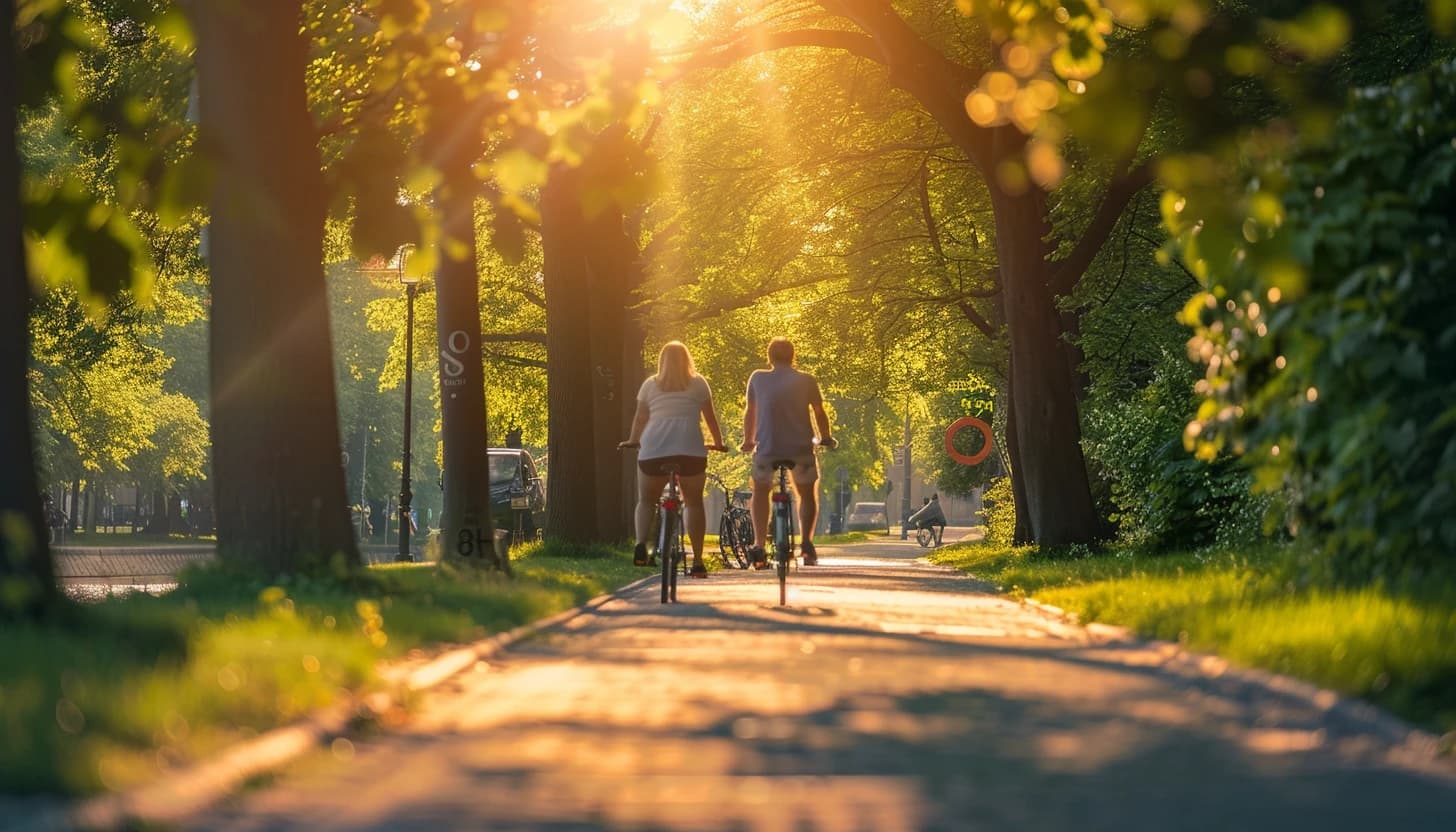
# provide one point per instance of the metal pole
(905, 493)
(363, 480)
(404, 555)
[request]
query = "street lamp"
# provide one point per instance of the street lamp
(411, 288)
(396, 266)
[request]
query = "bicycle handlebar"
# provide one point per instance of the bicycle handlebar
(829, 443)
(624, 446)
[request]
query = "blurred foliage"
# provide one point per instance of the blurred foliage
(103, 399)
(1000, 512)
(1335, 375)
(950, 476)
(1162, 495)
(115, 75)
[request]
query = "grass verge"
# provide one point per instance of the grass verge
(847, 537)
(109, 695)
(1394, 648)
(106, 540)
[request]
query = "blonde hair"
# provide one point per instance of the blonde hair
(675, 367)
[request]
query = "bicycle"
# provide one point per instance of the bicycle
(735, 527)
(670, 534)
(927, 536)
(670, 530)
(783, 520)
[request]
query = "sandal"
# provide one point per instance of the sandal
(699, 570)
(639, 555)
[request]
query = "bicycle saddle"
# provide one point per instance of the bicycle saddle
(784, 463)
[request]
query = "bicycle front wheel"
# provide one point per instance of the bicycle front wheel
(924, 537)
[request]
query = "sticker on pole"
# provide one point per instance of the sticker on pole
(961, 424)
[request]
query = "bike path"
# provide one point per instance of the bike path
(890, 695)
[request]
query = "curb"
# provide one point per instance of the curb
(171, 799)
(1413, 745)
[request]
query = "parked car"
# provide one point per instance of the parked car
(517, 493)
(867, 517)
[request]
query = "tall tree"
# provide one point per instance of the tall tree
(276, 457)
(571, 511)
(27, 579)
(1043, 403)
(453, 139)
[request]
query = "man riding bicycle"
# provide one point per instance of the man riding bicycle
(930, 516)
(776, 426)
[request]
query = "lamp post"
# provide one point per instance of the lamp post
(395, 266)
(411, 288)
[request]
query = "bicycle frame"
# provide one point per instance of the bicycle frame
(669, 536)
(783, 531)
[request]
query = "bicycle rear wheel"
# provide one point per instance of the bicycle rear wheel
(783, 569)
(667, 553)
(743, 541)
(726, 554)
(783, 550)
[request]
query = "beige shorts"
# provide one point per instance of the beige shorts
(805, 470)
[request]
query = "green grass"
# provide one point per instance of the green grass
(1394, 648)
(110, 694)
(847, 537)
(123, 537)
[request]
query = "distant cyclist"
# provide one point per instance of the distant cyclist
(776, 425)
(668, 425)
(930, 516)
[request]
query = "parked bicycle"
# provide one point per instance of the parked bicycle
(735, 526)
(783, 520)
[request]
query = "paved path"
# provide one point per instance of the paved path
(889, 696)
(92, 573)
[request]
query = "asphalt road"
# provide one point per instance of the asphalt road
(890, 695)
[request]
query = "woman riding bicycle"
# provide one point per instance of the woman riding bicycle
(671, 407)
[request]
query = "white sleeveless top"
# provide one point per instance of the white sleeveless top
(674, 420)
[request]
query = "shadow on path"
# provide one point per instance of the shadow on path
(867, 709)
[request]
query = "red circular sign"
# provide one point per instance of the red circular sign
(956, 427)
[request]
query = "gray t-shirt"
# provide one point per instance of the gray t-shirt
(783, 396)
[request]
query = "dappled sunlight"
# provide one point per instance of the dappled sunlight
(643, 715)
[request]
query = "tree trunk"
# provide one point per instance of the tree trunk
(281, 503)
(634, 372)
(1050, 468)
(93, 507)
(1071, 324)
(25, 559)
(612, 265)
(158, 522)
(175, 523)
(571, 460)
(1022, 535)
(467, 527)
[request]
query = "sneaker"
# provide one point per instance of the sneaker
(806, 551)
(639, 555)
(759, 557)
